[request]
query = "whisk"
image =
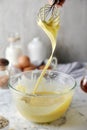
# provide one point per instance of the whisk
(50, 10)
(47, 12)
(50, 15)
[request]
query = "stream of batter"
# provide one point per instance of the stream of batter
(51, 28)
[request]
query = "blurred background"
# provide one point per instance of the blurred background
(20, 16)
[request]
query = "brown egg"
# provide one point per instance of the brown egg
(18, 67)
(24, 61)
(29, 68)
(31, 65)
(49, 68)
(42, 67)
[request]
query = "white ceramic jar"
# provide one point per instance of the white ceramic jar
(14, 50)
(37, 51)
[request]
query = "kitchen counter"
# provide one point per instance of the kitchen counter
(75, 118)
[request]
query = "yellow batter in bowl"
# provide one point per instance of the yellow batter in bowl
(50, 102)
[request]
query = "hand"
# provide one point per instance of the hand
(58, 2)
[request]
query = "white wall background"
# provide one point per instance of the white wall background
(20, 16)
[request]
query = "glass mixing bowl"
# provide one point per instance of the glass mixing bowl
(51, 100)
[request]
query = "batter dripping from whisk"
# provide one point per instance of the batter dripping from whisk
(51, 27)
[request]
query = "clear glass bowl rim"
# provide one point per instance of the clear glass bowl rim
(35, 95)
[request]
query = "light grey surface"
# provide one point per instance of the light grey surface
(72, 41)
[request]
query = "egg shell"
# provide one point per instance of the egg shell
(42, 67)
(18, 66)
(24, 61)
(29, 68)
(31, 65)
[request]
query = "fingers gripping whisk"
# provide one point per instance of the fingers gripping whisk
(48, 12)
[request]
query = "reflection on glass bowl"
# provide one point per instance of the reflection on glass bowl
(51, 100)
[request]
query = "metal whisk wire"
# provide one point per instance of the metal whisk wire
(47, 12)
